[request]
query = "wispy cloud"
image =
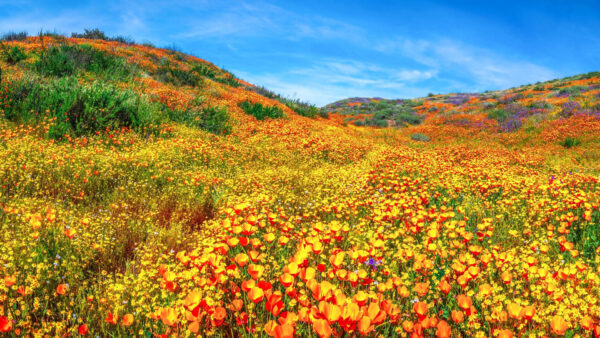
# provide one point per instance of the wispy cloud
(341, 78)
(245, 19)
(482, 67)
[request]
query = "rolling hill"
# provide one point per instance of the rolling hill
(146, 192)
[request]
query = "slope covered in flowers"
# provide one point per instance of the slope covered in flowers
(506, 111)
(289, 226)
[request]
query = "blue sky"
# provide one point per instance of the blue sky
(322, 51)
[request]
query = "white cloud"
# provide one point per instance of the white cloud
(486, 69)
(330, 80)
(415, 75)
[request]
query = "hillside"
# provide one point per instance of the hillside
(504, 111)
(145, 192)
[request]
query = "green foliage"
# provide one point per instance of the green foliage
(228, 79)
(414, 103)
(405, 117)
(210, 118)
(77, 109)
(14, 54)
(572, 91)
(94, 33)
(170, 74)
(570, 142)
(401, 114)
(216, 120)
(205, 70)
(420, 137)
(300, 107)
(498, 114)
(261, 112)
(66, 60)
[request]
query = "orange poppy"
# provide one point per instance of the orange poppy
(5, 324)
(168, 316)
(256, 294)
(112, 318)
(558, 325)
(322, 328)
(127, 320)
(443, 329)
(458, 316)
(421, 309)
(62, 289)
(83, 329)
(10, 280)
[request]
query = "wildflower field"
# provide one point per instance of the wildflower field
(144, 192)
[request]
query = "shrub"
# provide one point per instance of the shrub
(261, 112)
(66, 60)
(170, 74)
(300, 107)
(215, 120)
(205, 70)
(359, 123)
(570, 142)
(77, 109)
(420, 137)
(94, 33)
(406, 117)
(499, 114)
(228, 79)
(14, 36)
(571, 91)
(14, 54)
(212, 119)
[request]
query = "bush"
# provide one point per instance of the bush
(499, 114)
(14, 36)
(94, 34)
(261, 112)
(300, 107)
(205, 70)
(178, 77)
(211, 119)
(420, 137)
(77, 109)
(406, 117)
(66, 60)
(572, 91)
(570, 142)
(14, 54)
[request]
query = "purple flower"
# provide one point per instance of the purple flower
(570, 108)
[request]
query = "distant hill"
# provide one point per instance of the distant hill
(506, 110)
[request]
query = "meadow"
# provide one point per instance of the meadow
(145, 192)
